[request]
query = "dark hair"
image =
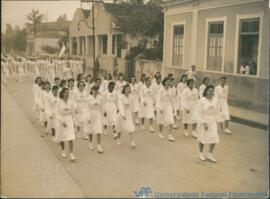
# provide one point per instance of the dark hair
(147, 78)
(97, 78)
(182, 77)
(157, 74)
(70, 80)
(119, 75)
(110, 76)
(170, 75)
(87, 78)
(79, 77)
(124, 88)
(55, 87)
(132, 78)
(61, 94)
(79, 82)
(205, 79)
(56, 78)
(165, 80)
(143, 75)
(223, 77)
(111, 83)
(37, 79)
(189, 81)
(94, 88)
(62, 82)
(158, 77)
(206, 89)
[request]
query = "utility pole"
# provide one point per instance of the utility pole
(93, 32)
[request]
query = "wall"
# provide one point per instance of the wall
(231, 12)
(187, 17)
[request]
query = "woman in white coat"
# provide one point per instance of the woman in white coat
(110, 108)
(53, 101)
(65, 126)
(205, 83)
(81, 100)
(190, 98)
(147, 104)
(156, 89)
(35, 90)
(120, 83)
(165, 116)
(135, 105)
(95, 108)
(181, 86)
(207, 112)
(125, 120)
(221, 93)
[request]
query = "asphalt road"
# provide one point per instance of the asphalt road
(159, 164)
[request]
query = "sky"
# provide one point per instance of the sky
(14, 12)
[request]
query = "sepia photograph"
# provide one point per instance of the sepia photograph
(135, 99)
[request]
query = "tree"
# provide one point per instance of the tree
(62, 18)
(19, 39)
(8, 38)
(35, 18)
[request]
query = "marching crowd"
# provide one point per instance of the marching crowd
(72, 104)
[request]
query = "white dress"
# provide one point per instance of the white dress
(180, 89)
(119, 86)
(42, 100)
(147, 97)
(135, 105)
(67, 73)
(96, 114)
(104, 86)
(51, 111)
(173, 91)
(81, 103)
(206, 112)
(110, 108)
(201, 90)
(65, 110)
(125, 125)
(221, 93)
(165, 103)
(156, 89)
(35, 90)
(189, 101)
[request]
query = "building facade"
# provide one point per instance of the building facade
(111, 44)
(219, 37)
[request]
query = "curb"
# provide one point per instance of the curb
(249, 123)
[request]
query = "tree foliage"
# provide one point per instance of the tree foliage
(14, 38)
(146, 30)
(34, 18)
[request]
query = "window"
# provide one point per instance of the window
(74, 46)
(113, 44)
(215, 46)
(104, 44)
(248, 46)
(178, 45)
(118, 46)
(82, 46)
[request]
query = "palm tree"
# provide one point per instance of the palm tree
(35, 18)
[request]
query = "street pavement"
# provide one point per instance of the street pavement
(159, 164)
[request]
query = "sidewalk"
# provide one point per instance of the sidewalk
(28, 167)
(249, 117)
